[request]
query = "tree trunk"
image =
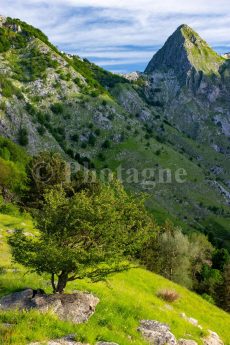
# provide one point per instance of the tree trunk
(62, 281)
(53, 282)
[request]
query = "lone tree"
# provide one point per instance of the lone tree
(85, 235)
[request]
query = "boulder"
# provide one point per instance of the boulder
(186, 342)
(68, 340)
(191, 320)
(212, 339)
(77, 307)
(58, 342)
(105, 343)
(157, 333)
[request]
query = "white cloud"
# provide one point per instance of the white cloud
(121, 30)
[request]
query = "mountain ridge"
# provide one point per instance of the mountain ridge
(50, 101)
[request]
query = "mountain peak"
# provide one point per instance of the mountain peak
(185, 50)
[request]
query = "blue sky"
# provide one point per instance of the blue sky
(122, 35)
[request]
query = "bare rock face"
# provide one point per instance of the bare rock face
(77, 307)
(213, 339)
(157, 333)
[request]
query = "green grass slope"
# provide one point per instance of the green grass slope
(125, 299)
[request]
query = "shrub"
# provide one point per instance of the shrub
(168, 295)
(97, 132)
(57, 108)
(106, 144)
(75, 137)
(92, 140)
(23, 137)
(208, 298)
(41, 130)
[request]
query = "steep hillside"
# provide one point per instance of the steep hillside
(125, 300)
(161, 120)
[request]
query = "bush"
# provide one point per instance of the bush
(23, 137)
(168, 295)
(8, 89)
(97, 132)
(208, 298)
(106, 144)
(57, 108)
(41, 130)
(92, 140)
(75, 137)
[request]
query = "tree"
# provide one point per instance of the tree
(210, 281)
(201, 251)
(225, 300)
(45, 171)
(220, 259)
(85, 235)
(167, 255)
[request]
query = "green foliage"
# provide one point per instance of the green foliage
(23, 136)
(7, 88)
(75, 137)
(41, 130)
(13, 178)
(33, 66)
(92, 139)
(168, 255)
(208, 298)
(57, 108)
(106, 144)
(4, 41)
(211, 280)
(224, 292)
(178, 257)
(11, 151)
(20, 39)
(45, 171)
(13, 162)
(85, 235)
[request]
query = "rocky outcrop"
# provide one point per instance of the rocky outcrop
(191, 320)
(186, 342)
(59, 342)
(105, 343)
(77, 307)
(212, 339)
(157, 333)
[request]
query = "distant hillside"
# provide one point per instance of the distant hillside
(167, 118)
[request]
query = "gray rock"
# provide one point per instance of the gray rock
(77, 307)
(105, 343)
(191, 320)
(68, 340)
(58, 342)
(157, 333)
(212, 339)
(186, 342)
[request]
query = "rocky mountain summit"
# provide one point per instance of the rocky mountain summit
(183, 52)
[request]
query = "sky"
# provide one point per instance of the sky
(122, 35)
